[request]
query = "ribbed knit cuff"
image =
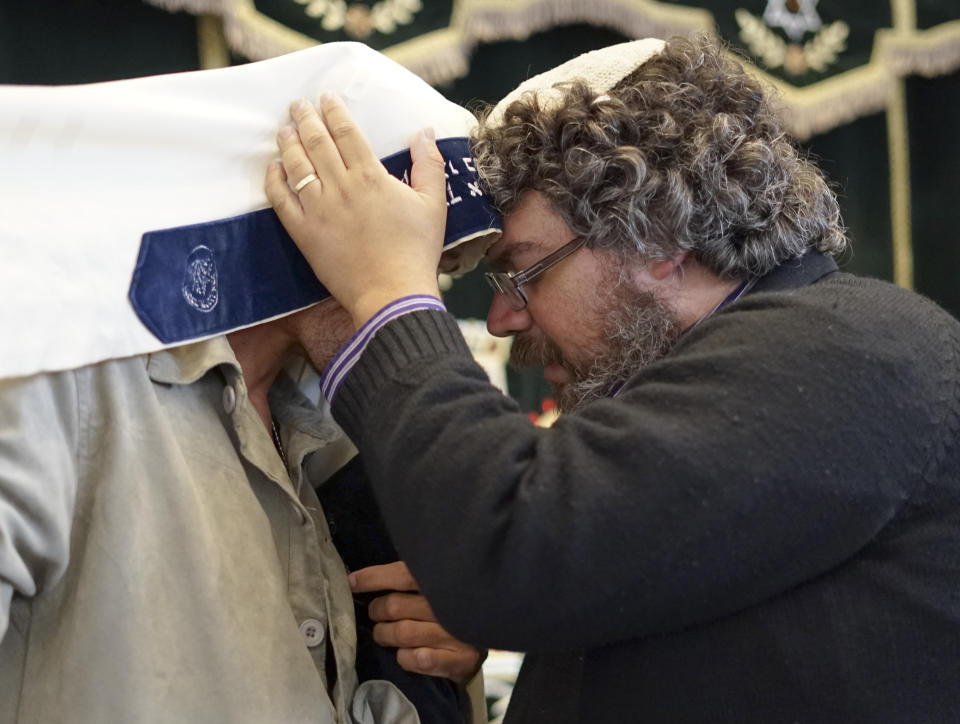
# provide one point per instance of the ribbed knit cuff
(413, 339)
(340, 366)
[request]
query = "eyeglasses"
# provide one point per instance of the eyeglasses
(510, 284)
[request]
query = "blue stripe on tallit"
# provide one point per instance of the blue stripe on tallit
(205, 279)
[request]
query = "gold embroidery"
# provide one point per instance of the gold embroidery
(816, 54)
(359, 21)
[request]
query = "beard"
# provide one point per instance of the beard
(638, 328)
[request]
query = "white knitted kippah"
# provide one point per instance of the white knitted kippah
(600, 69)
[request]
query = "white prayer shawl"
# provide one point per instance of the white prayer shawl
(86, 171)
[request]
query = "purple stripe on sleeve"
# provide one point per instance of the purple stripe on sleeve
(340, 366)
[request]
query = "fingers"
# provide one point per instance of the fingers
(427, 175)
(406, 622)
(353, 146)
(458, 665)
(296, 163)
(390, 577)
(282, 197)
(398, 606)
(408, 634)
(310, 145)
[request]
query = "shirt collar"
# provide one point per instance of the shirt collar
(305, 427)
(186, 364)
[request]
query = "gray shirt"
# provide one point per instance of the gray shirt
(159, 563)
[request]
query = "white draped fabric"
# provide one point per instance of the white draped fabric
(86, 170)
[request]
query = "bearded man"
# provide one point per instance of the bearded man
(752, 511)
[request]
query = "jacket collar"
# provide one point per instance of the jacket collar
(799, 272)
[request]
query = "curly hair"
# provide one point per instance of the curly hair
(684, 154)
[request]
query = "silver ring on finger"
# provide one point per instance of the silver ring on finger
(308, 179)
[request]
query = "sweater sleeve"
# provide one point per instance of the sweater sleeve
(38, 483)
(753, 458)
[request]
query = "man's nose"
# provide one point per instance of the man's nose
(504, 321)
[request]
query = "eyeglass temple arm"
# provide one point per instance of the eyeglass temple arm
(548, 261)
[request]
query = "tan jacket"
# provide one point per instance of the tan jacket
(157, 562)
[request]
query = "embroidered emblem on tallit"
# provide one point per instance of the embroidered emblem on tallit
(200, 283)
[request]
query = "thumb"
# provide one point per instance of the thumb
(427, 176)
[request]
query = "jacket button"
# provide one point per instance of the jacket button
(298, 513)
(229, 399)
(313, 632)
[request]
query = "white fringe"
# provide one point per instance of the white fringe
(439, 60)
(929, 53)
(632, 19)
(826, 113)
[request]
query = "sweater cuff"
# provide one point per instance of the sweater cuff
(340, 366)
(413, 339)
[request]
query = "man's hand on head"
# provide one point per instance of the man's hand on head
(404, 620)
(369, 237)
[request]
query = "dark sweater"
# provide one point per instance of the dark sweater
(358, 531)
(764, 526)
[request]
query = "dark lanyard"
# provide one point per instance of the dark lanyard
(731, 297)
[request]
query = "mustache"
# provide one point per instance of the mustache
(528, 351)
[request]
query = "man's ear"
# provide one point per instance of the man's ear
(662, 269)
